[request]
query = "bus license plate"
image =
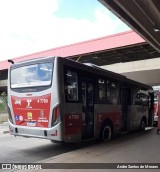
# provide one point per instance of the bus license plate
(31, 124)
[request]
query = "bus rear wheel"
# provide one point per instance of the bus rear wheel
(106, 133)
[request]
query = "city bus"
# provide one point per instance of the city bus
(62, 100)
(156, 92)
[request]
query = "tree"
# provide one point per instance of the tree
(3, 97)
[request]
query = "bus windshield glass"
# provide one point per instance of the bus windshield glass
(32, 75)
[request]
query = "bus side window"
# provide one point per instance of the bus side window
(101, 91)
(142, 99)
(112, 93)
(71, 86)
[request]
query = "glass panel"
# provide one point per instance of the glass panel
(101, 91)
(90, 95)
(112, 93)
(142, 98)
(32, 75)
(71, 87)
(83, 102)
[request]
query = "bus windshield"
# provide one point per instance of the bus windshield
(32, 75)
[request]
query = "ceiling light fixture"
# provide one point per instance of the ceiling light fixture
(95, 57)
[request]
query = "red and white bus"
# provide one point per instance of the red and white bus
(156, 92)
(62, 100)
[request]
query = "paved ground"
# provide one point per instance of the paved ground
(3, 117)
(4, 128)
(138, 147)
(28, 150)
(133, 148)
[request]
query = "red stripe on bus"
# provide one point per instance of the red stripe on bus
(114, 116)
(73, 123)
(73, 130)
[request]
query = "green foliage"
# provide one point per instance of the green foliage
(3, 102)
(2, 107)
(4, 97)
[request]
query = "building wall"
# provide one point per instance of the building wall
(145, 71)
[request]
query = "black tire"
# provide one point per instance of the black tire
(106, 133)
(143, 124)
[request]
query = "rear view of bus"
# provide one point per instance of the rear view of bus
(33, 103)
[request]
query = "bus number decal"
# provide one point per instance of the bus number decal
(42, 101)
(74, 117)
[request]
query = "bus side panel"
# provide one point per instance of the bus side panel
(57, 100)
(103, 112)
(135, 115)
(73, 122)
(71, 112)
(10, 109)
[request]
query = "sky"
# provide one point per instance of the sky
(30, 26)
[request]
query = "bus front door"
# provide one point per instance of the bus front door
(87, 110)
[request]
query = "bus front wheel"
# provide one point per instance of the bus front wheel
(106, 133)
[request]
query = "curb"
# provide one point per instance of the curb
(4, 132)
(5, 128)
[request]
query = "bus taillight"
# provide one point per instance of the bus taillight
(55, 115)
(9, 115)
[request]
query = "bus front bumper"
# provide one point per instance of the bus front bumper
(53, 133)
